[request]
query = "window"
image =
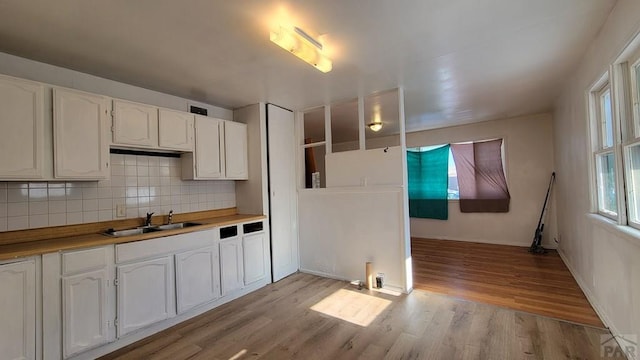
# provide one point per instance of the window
(453, 193)
(605, 163)
(631, 153)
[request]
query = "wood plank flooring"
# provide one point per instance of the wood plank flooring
(501, 275)
(310, 317)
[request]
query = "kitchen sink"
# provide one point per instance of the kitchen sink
(129, 232)
(148, 229)
(176, 226)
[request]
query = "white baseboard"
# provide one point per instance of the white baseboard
(484, 241)
(395, 288)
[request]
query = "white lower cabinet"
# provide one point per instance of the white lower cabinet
(253, 248)
(87, 299)
(18, 310)
(146, 293)
(197, 277)
(85, 322)
(231, 268)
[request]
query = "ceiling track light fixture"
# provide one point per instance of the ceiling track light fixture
(302, 45)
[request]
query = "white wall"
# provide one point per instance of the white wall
(54, 75)
(604, 259)
(528, 142)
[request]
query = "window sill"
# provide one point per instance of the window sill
(627, 232)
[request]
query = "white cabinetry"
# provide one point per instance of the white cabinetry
(135, 124)
(146, 293)
(18, 310)
(254, 248)
(175, 130)
(22, 123)
(231, 268)
(235, 145)
(197, 277)
(206, 162)
(81, 149)
(87, 299)
(220, 151)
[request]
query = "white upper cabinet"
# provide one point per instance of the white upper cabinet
(235, 145)
(22, 121)
(175, 130)
(207, 161)
(220, 151)
(81, 147)
(18, 311)
(135, 124)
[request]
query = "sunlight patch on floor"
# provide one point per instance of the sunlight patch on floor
(354, 307)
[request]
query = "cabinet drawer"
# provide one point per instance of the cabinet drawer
(166, 245)
(84, 260)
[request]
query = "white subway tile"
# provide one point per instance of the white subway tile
(17, 222)
(154, 161)
(89, 216)
(38, 208)
(57, 207)
(18, 209)
(89, 193)
(132, 212)
(105, 193)
(3, 210)
(130, 170)
(38, 194)
(131, 181)
(117, 181)
(57, 193)
(17, 185)
(56, 185)
(130, 160)
(142, 160)
(117, 159)
(131, 202)
(143, 181)
(3, 194)
(74, 218)
(105, 215)
(38, 185)
(143, 170)
(38, 221)
(119, 192)
(57, 219)
(17, 195)
(74, 193)
(3, 224)
(105, 204)
(74, 206)
(89, 205)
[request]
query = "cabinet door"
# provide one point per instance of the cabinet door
(175, 130)
(231, 265)
(253, 248)
(22, 121)
(197, 277)
(235, 144)
(146, 294)
(85, 311)
(18, 310)
(208, 150)
(135, 124)
(81, 148)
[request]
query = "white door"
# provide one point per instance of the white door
(146, 294)
(282, 196)
(208, 157)
(197, 277)
(81, 148)
(22, 124)
(253, 248)
(235, 145)
(135, 124)
(231, 265)
(18, 311)
(175, 130)
(85, 312)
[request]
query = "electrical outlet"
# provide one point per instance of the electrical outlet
(121, 210)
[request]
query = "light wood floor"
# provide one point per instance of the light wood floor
(501, 275)
(309, 317)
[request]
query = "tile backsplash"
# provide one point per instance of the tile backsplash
(141, 183)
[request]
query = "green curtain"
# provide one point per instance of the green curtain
(428, 182)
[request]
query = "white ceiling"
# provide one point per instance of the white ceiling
(459, 61)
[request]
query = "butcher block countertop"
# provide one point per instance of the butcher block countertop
(15, 244)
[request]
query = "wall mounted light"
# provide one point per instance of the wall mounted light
(302, 45)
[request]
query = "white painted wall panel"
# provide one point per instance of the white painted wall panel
(342, 229)
(365, 167)
(602, 256)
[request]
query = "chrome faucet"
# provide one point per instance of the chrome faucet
(148, 220)
(170, 220)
